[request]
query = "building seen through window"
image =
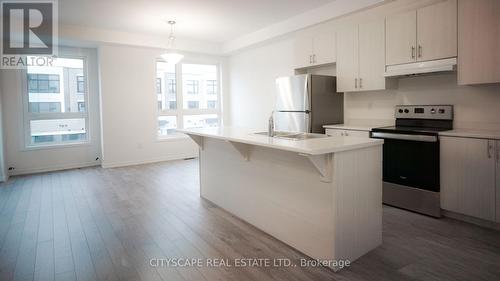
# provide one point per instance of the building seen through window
(195, 106)
(55, 94)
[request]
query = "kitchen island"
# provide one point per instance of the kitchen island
(322, 196)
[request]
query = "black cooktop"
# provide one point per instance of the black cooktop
(410, 130)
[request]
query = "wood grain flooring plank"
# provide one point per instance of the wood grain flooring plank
(107, 224)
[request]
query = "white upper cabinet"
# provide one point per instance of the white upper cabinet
(315, 46)
(371, 56)
(437, 31)
(401, 37)
(428, 33)
(347, 59)
(479, 42)
(360, 57)
(323, 45)
(468, 176)
(303, 49)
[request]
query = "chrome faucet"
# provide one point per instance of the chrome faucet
(270, 128)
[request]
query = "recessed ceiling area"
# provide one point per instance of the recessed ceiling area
(213, 21)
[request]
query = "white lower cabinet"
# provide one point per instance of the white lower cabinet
(497, 144)
(347, 133)
(469, 177)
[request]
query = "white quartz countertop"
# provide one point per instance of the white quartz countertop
(472, 133)
(315, 146)
(359, 126)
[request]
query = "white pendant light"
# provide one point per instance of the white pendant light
(171, 56)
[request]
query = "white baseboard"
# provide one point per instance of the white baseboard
(18, 172)
(107, 165)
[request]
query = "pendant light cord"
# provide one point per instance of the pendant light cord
(171, 37)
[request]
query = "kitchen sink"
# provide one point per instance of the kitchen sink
(294, 136)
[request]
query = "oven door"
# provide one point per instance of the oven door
(411, 160)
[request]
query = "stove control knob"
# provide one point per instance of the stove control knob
(433, 111)
(400, 110)
(441, 111)
(407, 111)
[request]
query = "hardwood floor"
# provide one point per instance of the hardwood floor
(106, 224)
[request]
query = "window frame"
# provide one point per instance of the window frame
(180, 112)
(30, 116)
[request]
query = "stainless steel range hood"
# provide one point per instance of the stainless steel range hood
(424, 67)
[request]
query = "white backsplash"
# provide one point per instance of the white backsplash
(475, 107)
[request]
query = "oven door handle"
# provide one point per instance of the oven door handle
(422, 138)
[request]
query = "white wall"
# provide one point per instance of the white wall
(31, 160)
(253, 72)
(128, 134)
(252, 88)
(129, 108)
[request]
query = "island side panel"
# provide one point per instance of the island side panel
(279, 192)
(357, 177)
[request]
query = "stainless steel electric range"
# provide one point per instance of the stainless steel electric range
(411, 157)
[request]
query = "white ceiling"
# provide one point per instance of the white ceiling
(207, 20)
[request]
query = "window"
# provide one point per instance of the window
(81, 106)
(171, 87)
(80, 84)
(211, 104)
(195, 105)
(192, 87)
(172, 104)
(211, 87)
(42, 107)
(199, 74)
(56, 113)
(166, 72)
(201, 121)
(167, 125)
(158, 86)
(43, 83)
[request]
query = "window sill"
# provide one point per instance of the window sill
(56, 146)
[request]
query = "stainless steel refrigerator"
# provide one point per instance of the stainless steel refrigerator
(304, 103)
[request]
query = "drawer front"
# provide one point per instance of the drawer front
(347, 133)
(334, 132)
(362, 134)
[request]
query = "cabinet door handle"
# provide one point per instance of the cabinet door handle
(360, 83)
(355, 83)
(310, 58)
(489, 147)
(412, 52)
(419, 51)
(498, 150)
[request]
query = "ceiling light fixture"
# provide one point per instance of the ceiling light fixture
(171, 56)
